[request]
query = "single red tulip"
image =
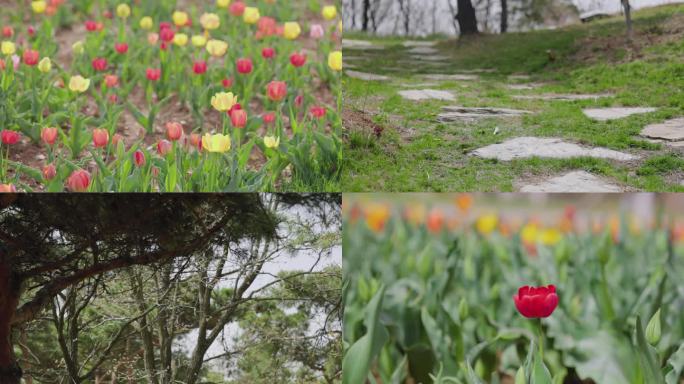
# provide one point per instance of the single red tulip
(244, 66)
(153, 74)
(78, 181)
(199, 67)
(139, 158)
(227, 83)
(31, 57)
(49, 135)
(268, 53)
(100, 64)
(100, 137)
(269, 118)
(163, 147)
(237, 8)
(91, 26)
(121, 48)
(298, 59)
(7, 32)
(239, 118)
(10, 137)
(49, 172)
(167, 34)
(318, 112)
(277, 90)
(174, 131)
(535, 302)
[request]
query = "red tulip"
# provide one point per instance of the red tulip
(100, 64)
(139, 158)
(268, 53)
(199, 67)
(174, 131)
(299, 100)
(163, 147)
(78, 181)
(167, 34)
(91, 26)
(100, 137)
(31, 30)
(153, 74)
(111, 81)
(227, 83)
(7, 32)
(196, 141)
(31, 57)
(318, 112)
(121, 48)
(10, 137)
(277, 90)
(237, 8)
(239, 118)
(534, 302)
(269, 118)
(298, 59)
(49, 172)
(165, 25)
(244, 66)
(49, 135)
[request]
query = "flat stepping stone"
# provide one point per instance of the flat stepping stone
(669, 130)
(456, 77)
(455, 113)
(524, 87)
(545, 147)
(349, 43)
(426, 94)
(565, 97)
(366, 76)
(603, 114)
(519, 77)
(422, 50)
(576, 181)
(414, 43)
(431, 58)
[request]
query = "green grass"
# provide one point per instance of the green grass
(415, 153)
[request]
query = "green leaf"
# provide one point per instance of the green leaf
(676, 363)
(357, 361)
(647, 358)
(540, 374)
(440, 340)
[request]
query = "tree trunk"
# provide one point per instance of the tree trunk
(628, 19)
(504, 16)
(10, 372)
(364, 18)
(467, 21)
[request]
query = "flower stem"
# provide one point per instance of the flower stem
(541, 340)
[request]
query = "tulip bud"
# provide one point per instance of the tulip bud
(139, 158)
(653, 329)
(605, 249)
(463, 309)
(45, 65)
(77, 48)
(49, 172)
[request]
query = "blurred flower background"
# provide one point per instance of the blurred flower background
(431, 277)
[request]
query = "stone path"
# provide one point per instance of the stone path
(452, 77)
(413, 43)
(603, 114)
(526, 147)
(669, 130)
(576, 181)
(366, 76)
(564, 97)
(524, 87)
(359, 44)
(425, 94)
(456, 113)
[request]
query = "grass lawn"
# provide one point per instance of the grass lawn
(393, 144)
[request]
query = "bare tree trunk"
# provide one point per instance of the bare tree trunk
(353, 14)
(628, 19)
(467, 21)
(10, 372)
(364, 18)
(504, 16)
(145, 329)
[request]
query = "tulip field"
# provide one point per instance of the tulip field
(513, 289)
(170, 96)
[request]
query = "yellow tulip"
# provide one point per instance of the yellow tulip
(45, 65)
(486, 224)
(180, 18)
(146, 23)
(271, 141)
(38, 6)
(291, 30)
(77, 48)
(329, 12)
(199, 41)
(550, 236)
(529, 233)
(180, 39)
(79, 84)
(123, 11)
(216, 143)
(210, 21)
(335, 60)
(377, 216)
(251, 15)
(222, 3)
(223, 101)
(8, 48)
(217, 48)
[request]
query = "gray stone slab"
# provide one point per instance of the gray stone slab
(576, 181)
(414, 43)
(523, 87)
(518, 77)
(670, 130)
(526, 147)
(360, 44)
(432, 58)
(420, 50)
(452, 77)
(366, 76)
(562, 97)
(426, 94)
(603, 114)
(455, 113)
